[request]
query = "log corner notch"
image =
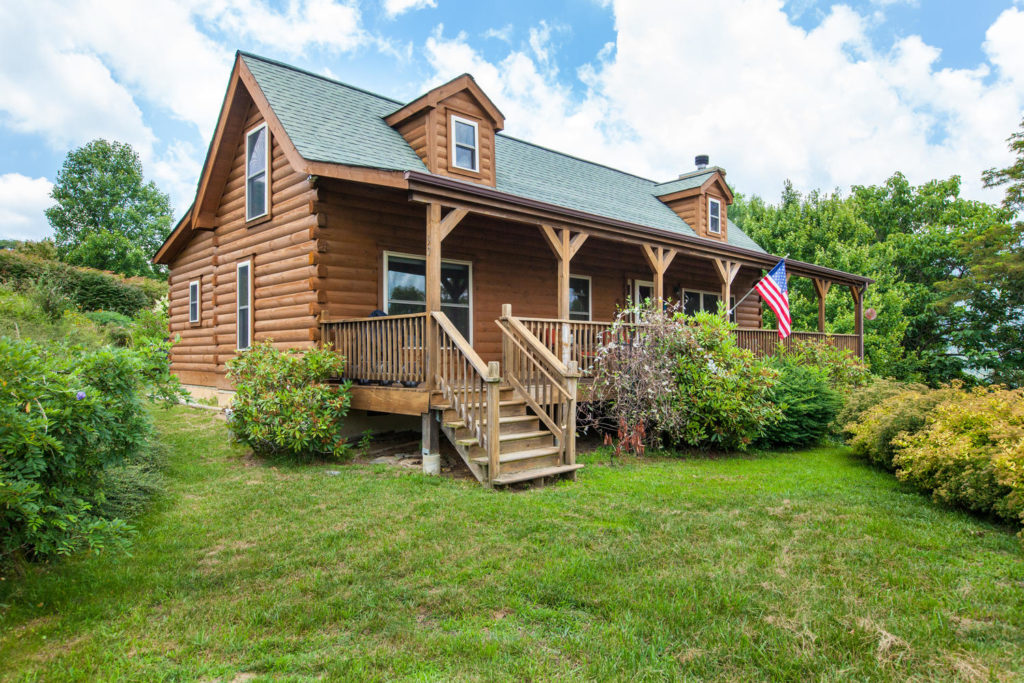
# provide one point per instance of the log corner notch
(659, 259)
(437, 229)
(727, 272)
(564, 245)
(821, 287)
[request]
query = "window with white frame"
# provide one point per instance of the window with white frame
(696, 300)
(257, 163)
(465, 144)
(243, 305)
(193, 301)
(405, 289)
(579, 297)
(714, 216)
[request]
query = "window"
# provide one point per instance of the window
(193, 301)
(714, 216)
(642, 291)
(464, 144)
(579, 297)
(694, 301)
(405, 289)
(257, 161)
(243, 305)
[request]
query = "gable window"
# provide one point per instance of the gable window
(465, 144)
(714, 216)
(193, 301)
(405, 289)
(579, 297)
(243, 305)
(694, 300)
(257, 161)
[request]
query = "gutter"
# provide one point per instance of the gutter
(763, 258)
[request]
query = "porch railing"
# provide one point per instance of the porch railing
(547, 384)
(766, 342)
(384, 349)
(471, 388)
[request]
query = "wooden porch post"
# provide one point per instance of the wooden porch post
(822, 287)
(727, 271)
(564, 245)
(659, 259)
(858, 317)
(437, 230)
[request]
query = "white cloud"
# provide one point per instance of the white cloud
(395, 7)
(765, 98)
(22, 202)
(305, 24)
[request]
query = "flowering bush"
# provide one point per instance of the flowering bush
(66, 415)
(284, 404)
(971, 452)
(683, 380)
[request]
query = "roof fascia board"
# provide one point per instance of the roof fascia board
(717, 177)
(444, 91)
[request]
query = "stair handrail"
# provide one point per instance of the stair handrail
(546, 383)
(475, 399)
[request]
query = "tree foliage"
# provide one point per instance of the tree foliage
(938, 262)
(106, 216)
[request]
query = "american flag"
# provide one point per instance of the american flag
(775, 293)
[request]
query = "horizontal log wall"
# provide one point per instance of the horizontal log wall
(283, 253)
(511, 263)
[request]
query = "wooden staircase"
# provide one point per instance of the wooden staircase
(511, 429)
(527, 449)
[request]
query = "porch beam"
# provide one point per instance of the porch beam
(659, 259)
(821, 287)
(858, 317)
(433, 287)
(727, 271)
(452, 220)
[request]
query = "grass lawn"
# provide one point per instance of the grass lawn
(786, 566)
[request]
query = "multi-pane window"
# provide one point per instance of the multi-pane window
(405, 288)
(714, 216)
(579, 297)
(193, 301)
(694, 301)
(465, 147)
(243, 305)
(257, 160)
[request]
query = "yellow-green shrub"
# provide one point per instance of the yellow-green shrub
(872, 435)
(971, 452)
(863, 399)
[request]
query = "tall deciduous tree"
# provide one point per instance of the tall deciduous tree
(106, 216)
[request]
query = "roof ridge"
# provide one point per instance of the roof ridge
(573, 156)
(334, 81)
(693, 174)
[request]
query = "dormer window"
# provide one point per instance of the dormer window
(465, 144)
(257, 161)
(714, 216)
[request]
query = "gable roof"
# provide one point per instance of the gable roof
(331, 122)
(466, 83)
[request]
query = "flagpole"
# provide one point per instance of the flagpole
(749, 292)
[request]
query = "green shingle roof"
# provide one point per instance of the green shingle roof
(336, 123)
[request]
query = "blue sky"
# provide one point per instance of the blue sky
(825, 94)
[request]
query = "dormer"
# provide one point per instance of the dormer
(701, 198)
(452, 130)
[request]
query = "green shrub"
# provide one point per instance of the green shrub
(808, 403)
(283, 404)
(149, 326)
(682, 380)
(971, 452)
(89, 290)
(843, 370)
(109, 318)
(22, 318)
(862, 399)
(873, 435)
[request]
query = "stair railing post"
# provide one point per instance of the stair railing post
(572, 377)
(493, 420)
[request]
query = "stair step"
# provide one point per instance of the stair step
(512, 419)
(527, 475)
(520, 455)
(455, 424)
(520, 436)
(467, 442)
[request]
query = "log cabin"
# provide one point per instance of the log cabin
(467, 276)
